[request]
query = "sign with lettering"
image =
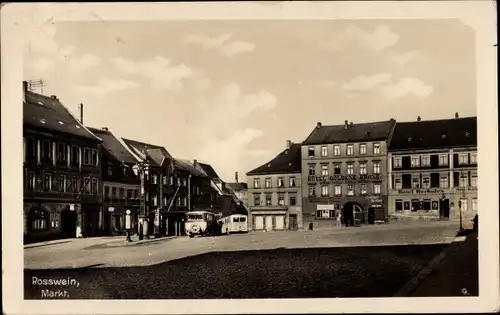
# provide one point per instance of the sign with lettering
(336, 178)
(375, 199)
(466, 188)
(325, 207)
(421, 191)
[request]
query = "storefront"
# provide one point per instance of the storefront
(269, 219)
(432, 203)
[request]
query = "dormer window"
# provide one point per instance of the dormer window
(269, 165)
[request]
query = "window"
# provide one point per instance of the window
(171, 180)
(443, 159)
(30, 181)
(350, 169)
(281, 200)
(38, 220)
(463, 158)
(106, 192)
(293, 200)
(426, 160)
(396, 162)
(310, 151)
(325, 213)
(362, 149)
(397, 183)
(337, 190)
(376, 167)
(324, 190)
(415, 182)
(75, 154)
(256, 199)
(74, 184)
(312, 190)
(46, 149)
(336, 150)
(94, 157)
(122, 193)
(30, 149)
(61, 152)
(376, 148)
(426, 182)
(463, 204)
(268, 199)
(336, 169)
(464, 180)
(86, 156)
(399, 205)
(165, 201)
(434, 180)
(256, 183)
(473, 158)
(87, 185)
(474, 204)
(292, 181)
(154, 179)
(110, 170)
(415, 205)
(350, 190)
(363, 189)
(362, 168)
(47, 182)
(281, 182)
(350, 149)
(61, 183)
(155, 200)
(427, 204)
(95, 186)
(164, 180)
(415, 161)
(114, 193)
(473, 180)
(376, 189)
(312, 169)
(324, 151)
(324, 170)
(268, 183)
(406, 179)
(443, 182)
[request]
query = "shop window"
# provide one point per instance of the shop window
(399, 205)
(415, 205)
(38, 220)
(427, 204)
(406, 205)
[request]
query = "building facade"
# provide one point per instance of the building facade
(240, 190)
(62, 175)
(274, 192)
(121, 186)
(433, 169)
(344, 172)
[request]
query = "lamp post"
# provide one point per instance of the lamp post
(141, 168)
(461, 228)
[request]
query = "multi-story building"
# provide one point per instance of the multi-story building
(344, 171)
(121, 186)
(62, 175)
(274, 190)
(433, 169)
(240, 190)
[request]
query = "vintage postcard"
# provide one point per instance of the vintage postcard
(250, 157)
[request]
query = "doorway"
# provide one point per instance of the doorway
(444, 209)
(371, 216)
(292, 222)
(68, 224)
(348, 211)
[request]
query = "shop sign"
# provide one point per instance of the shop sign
(375, 199)
(466, 188)
(421, 191)
(337, 178)
(376, 205)
(325, 207)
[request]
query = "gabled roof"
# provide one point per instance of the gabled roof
(434, 134)
(113, 146)
(49, 113)
(372, 131)
(288, 161)
(157, 156)
(144, 150)
(209, 170)
(237, 186)
(187, 166)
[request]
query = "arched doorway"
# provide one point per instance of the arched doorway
(68, 223)
(38, 220)
(349, 211)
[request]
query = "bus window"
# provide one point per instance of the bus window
(243, 219)
(236, 219)
(194, 217)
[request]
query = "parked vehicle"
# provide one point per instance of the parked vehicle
(201, 223)
(235, 223)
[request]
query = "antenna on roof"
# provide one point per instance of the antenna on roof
(32, 84)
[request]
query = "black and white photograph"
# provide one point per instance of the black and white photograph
(264, 157)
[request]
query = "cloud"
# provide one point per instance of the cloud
(405, 86)
(366, 83)
(84, 63)
(107, 85)
(381, 38)
(402, 59)
(159, 70)
(221, 43)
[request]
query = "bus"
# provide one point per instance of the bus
(201, 223)
(235, 223)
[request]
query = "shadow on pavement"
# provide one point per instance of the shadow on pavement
(34, 245)
(375, 271)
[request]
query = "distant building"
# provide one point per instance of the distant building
(240, 190)
(62, 172)
(121, 186)
(344, 171)
(433, 169)
(274, 191)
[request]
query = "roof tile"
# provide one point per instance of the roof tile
(288, 161)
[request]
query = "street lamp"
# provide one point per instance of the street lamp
(142, 168)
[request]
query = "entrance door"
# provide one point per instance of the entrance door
(68, 224)
(292, 222)
(444, 209)
(259, 222)
(371, 216)
(280, 222)
(269, 223)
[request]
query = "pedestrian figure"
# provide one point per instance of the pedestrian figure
(474, 223)
(311, 226)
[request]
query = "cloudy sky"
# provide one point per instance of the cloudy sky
(230, 93)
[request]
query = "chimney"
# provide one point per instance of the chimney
(236, 176)
(318, 125)
(288, 144)
(53, 97)
(456, 115)
(81, 113)
(195, 162)
(346, 124)
(418, 118)
(105, 128)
